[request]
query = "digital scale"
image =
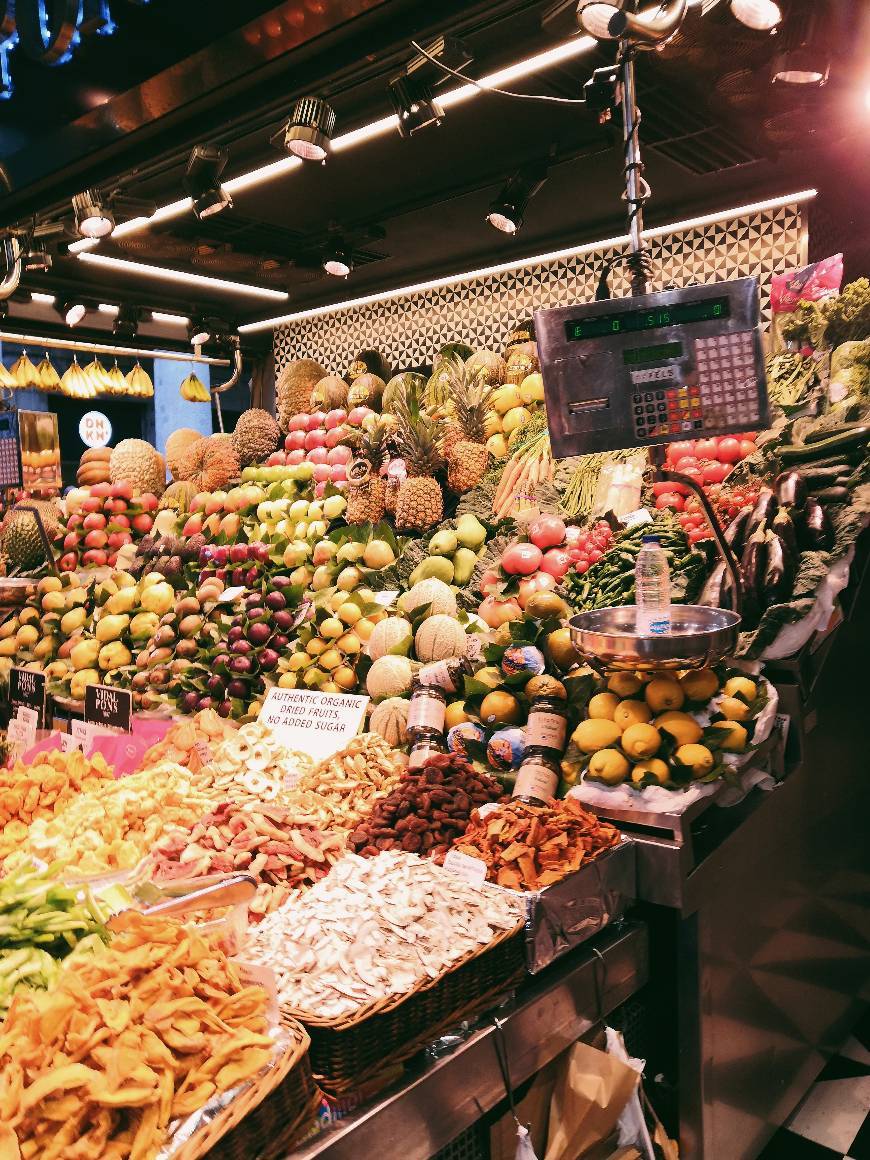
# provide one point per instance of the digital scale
(10, 450)
(654, 368)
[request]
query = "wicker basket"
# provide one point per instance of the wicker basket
(268, 1117)
(363, 1051)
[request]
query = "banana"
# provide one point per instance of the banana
(24, 371)
(194, 390)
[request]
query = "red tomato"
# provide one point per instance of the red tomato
(714, 472)
(747, 447)
(581, 566)
(750, 435)
(522, 559)
(576, 554)
(556, 562)
(670, 499)
(729, 450)
(661, 488)
(707, 448)
(677, 450)
(686, 462)
(595, 556)
(699, 534)
(693, 473)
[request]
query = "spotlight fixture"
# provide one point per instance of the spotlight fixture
(93, 217)
(309, 130)
(73, 311)
(338, 260)
(414, 105)
(612, 21)
(10, 265)
(35, 259)
(126, 322)
(804, 57)
(760, 15)
(506, 212)
(199, 332)
(202, 180)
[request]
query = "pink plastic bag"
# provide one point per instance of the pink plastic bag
(808, 284)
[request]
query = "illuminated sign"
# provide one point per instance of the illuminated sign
(95, 429)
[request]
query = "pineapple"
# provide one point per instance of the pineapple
(419, 502)
(464, 443)
(365, 499)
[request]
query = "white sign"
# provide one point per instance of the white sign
(315, 723)
(95, 430)
(633, 519)
(21, 732)
(84, 733)
(470, 870)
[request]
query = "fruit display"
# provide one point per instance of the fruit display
(249, 763)
(385, 898)
(137, 463)
(125, 1042)
(353, 780)
(191, 741)
(665, 728)
(193, 389)
(102, 518)
(527, 846)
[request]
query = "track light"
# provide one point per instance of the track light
(126, 322)
(415, 106)
(804, 56)
(93, 218)
(35, 259)
(202, 180)
(614, 22)
(506, 212)
(73, 311)
(199, 332)
(309, 130)
(761, 15)
(338, 260)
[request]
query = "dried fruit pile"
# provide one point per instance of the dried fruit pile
(127, 1040)
(527, 847)
(190, 742)
(354, 779)
(278, 847)
(114, 826)
(376, 927)
(252, 765)
(427, 810)
(28, 792)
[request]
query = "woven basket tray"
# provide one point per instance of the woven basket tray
(269, 1117)
(362, 1051)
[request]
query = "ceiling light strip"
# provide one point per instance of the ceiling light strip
(42, 340)
(169, 319)
(537, 259)
(38, 296)
(122, 265)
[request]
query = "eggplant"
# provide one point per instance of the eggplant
(713, 592)
(783, 526)
(791, 489)
(762, 514)
(838, 444)
(816, 532)
(753, 565)
(833, 495)
(735, 533)
(813, 475)
(779, 571)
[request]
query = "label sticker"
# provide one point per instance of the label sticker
(471, 870)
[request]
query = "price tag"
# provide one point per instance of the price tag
(21, 732)
(230, 594)
(386, 598)
(316, 723)
(487, 808)
(27, 688)
(108, 707)
(635, 518)
(471, 870)
(203, 751)
(255, 975)
(69, 742)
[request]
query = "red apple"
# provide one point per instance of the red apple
(495, 612)
(95, 557)
(120, 520)
(192, 526)
(197, 504)
(294, 440)
(298, 423)
(317, 455)
(101, 490)
(335, 418)
(143, 523)
(70, 541)
(357, 415)
(122, 490)
(96, 539)
(338, 472)
(339, 454)
(521, 559)
(94, 521)
(93, 503)
(214, 504)
(276, 459)
(315, 438)
(116, 540)
(322, 472)
(148, 501)
(490, 581)
(112, 560)
(297, 455)
(74, 521)
(316, 419)
(68, 562)
(335, 435)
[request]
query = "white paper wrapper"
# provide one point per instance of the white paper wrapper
(792, 637)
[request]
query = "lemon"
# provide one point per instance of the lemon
(602, 706)
(664, 693)
(698, 757)
(700, 684)
(544, 685)
(515, 418)
(740, 686)
(608, 765)
(654, 766)
(595, 734)
(684, 729)
(298, 662)
(733, 736)
(500, 707)
(623, 684)
(641, 740)
(631, 713)
(733, 709)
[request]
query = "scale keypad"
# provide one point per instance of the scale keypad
(727, 374)
(667, 411)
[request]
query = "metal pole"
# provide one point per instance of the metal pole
(104, 348)
(633, 168)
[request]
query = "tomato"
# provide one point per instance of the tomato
(729, 450)
(750, 435)
(686, 463)
(747, 447)
(677, 450)
(595, 556)
(714, 472)
(581, 566)
(576, 554)
(707, 448)
(557, 562)
(693, 473)
(529, 585)
(661, 488)
(547, 531)
(699, 534)
(522, 559)
(670, 499)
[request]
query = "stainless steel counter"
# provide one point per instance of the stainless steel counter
(554, 1009)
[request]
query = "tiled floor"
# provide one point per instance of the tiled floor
(833, 1121)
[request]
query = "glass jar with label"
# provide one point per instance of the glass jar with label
(427, 743)
(427, 710)
(446, 674)
(537, 779)
(547, 726)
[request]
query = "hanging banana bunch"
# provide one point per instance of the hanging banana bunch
(8, 381)
(49, 379)
(98, 377)
(73, 382)
(117, 382)
(139, 382)
(24, 371)
(194, 390)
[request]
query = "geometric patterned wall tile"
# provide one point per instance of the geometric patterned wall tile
(408, 331)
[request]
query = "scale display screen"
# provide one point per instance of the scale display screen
(648, 354)
(630, 321)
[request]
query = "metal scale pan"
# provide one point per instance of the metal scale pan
(699, 637)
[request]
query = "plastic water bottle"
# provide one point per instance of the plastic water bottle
(652, 581)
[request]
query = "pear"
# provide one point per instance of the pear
(470, 532)
(443, 543)
(464, 563)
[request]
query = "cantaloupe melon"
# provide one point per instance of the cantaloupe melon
(389, 677)
(438, 638)
(393, 635)
(390, 720)
(435, 593)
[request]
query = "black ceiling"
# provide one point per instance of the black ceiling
(715, 134)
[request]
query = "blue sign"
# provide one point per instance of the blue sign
(47, 31)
